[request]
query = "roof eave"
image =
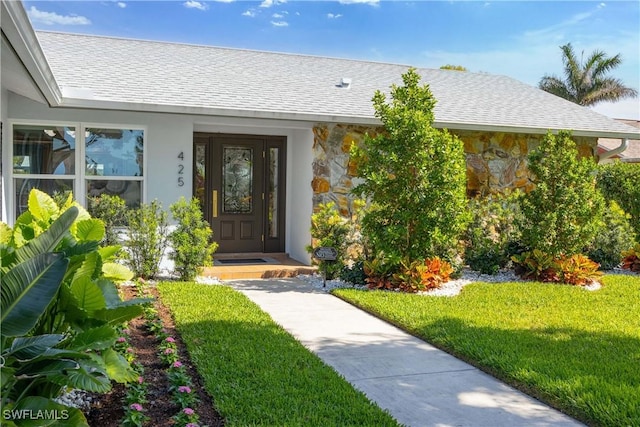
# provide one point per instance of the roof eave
(18, 31)
(535, 130)
(314, 117)
(214, 111)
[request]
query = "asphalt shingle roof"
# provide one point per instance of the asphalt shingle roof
(184, 77)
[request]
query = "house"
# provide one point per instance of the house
(259, 137)
(607, 147)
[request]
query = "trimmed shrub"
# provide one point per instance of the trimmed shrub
(146, 239)
(112, 210)
(614, 236)
(191, 240)
(621, 182)
(561, 215)
(329, 229)
(354, 274)
(492, 236)
(414, 177)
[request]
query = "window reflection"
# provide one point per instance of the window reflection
(44, 150)
(114, 152)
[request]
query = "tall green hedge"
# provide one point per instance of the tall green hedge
(621, 182)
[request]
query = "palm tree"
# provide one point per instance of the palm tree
(586, 83)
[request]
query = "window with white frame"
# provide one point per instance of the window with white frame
(114, 163)
(47, 157)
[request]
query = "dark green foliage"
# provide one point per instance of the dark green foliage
(146, 239)
(60, 307)
(112, 210)
(621, 182)
(414, 176)
(329, 229)
(561, 215)
(354, 274)
(614, 236)
(492, 235)
(191, 240)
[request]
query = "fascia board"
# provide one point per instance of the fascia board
(321, 118)
(17, 29)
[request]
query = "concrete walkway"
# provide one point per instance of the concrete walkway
(417, 383)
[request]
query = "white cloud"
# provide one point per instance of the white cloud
(280, 23)
(121, 4)
(277, 15)
(269, 3)
(334, 16)
(52, 18)
(369, 2)
(250, 13)
(601, 5)
(194, 4)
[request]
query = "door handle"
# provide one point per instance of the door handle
(215, 204)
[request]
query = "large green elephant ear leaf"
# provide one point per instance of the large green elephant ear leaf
(42, 207)
(27, 289)
(117, 272)
(89, 229)
(47, 241)
(117, 367)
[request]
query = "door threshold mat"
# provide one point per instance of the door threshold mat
(245, 261)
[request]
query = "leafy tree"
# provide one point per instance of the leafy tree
(453, 67)
(414, 176)
(586, 82)
(561, 215)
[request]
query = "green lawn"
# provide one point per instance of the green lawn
(255, 371)
(577, 350)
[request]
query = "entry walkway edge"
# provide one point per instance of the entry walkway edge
(420, 385)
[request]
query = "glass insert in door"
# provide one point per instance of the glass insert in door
(237, 180)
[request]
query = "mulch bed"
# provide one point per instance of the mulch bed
(107, 409)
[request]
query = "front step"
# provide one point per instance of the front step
(276, 265)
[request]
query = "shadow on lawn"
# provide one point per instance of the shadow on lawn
(596, 380)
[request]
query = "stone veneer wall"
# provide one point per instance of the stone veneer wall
(496, 161)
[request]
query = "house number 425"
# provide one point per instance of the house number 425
(181, 169)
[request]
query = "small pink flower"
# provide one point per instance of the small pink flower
(192, 425)
(188, 411)
(177, 364)
(126, 331)
(121, 339)
(129, 350)
(168, 351)
(170, 339)
(140, 380)
(136, 407)
(184, 389)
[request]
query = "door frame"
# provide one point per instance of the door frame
(273, 238)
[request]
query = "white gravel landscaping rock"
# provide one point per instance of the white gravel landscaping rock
(449, 289)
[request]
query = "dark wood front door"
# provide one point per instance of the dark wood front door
(239, 180)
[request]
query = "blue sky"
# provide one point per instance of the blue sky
(520, 39)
